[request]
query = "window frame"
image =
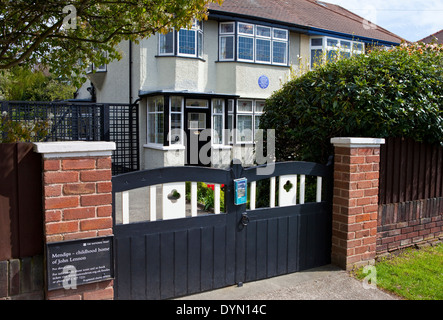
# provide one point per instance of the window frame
(218, 114)
(182, 123)
(155, 113)
(327, 47)
(197, 28)
(256, 39)
(253, 114)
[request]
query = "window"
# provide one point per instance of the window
(218, 116)
(330, 49)
(176, 122)
(166, 44)
(231, 121)
(155, 120)
(253, 43)
(259, 109)
(189, 42)
(248, 119)
(196, 103)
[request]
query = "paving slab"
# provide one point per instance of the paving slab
(323, 283)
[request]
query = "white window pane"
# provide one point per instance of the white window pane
(345, 44)
(357, 46)
(281, 34)
(244, 106)
(316, 56)
(318, 42)
(167, 43)
(196, 103)
(259, 106)
(176, 128)
(186, 44)
(244, 127)
(227, 27)
(218, 106)
(257, 122)
(246, 48)
(159, 104)
(246, 28)
(263, 31)
(332, 55)
(227, 48)
(280, 52)
(332, 43)
(196, 121)
(200, 44)
(230, 127)
(230, 106)
(218, 129)
(176, 104)
(263, 50)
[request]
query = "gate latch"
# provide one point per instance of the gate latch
(245, 219)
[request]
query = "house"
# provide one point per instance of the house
(194, 86)
(436, 37)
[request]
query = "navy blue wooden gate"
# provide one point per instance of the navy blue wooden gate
(178, 257)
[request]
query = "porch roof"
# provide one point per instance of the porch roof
(186, 93)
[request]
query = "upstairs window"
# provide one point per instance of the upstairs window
(330, 49)
(253, 43)
(186, 42)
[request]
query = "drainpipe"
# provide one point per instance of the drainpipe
(130, 71)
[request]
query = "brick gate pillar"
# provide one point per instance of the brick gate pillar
(77, 202)
(355, 201)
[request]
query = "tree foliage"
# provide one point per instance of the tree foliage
(22, 84)
(395, 93)
(67, 35)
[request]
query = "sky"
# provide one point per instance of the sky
(412, 20)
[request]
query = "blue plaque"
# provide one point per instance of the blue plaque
(263, 82)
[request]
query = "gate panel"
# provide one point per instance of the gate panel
(171, 258)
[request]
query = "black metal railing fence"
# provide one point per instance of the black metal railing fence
(74, 121)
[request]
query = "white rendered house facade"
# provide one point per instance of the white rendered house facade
(201, 91)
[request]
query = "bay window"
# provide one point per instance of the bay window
(327, 49)
(253, 43)
(185, 42)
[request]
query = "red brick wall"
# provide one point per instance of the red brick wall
(410, 223)
(78, 205)
(355, 204)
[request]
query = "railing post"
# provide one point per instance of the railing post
(104, 125)
(355, 201)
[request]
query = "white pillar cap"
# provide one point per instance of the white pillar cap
(74, 149)
(357, 142)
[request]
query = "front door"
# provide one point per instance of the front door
(198, 133)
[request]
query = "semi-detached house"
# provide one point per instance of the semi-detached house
(218, 74)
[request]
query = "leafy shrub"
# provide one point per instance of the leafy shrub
(395, 93)
(24, 130)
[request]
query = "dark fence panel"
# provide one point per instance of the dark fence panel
(72, 121)
(409, 171)
(21, 217)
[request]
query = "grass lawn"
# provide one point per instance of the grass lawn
(413, 274)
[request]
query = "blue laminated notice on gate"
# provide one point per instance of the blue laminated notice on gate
(241, 191)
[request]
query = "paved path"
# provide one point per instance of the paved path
(324, 283)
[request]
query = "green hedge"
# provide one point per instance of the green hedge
(395, 93)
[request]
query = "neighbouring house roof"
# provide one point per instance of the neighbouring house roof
(310, 16)
(438, 36)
